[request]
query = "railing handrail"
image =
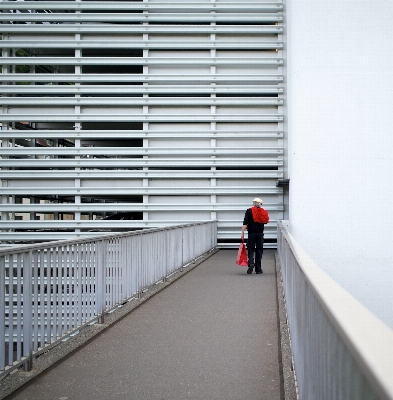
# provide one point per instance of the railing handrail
(93, 238)
(367, 338)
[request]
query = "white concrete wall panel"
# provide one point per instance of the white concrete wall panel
(340, 123)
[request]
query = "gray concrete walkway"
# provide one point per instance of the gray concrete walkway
(212, 334)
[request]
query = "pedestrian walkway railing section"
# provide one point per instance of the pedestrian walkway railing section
(51, 290)
(340, 350)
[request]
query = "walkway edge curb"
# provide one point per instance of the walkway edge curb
(56, 354)
(289, 380)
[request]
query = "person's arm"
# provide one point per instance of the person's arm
(244, 228)
(245, 223)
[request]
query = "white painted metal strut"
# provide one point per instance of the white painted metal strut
(138, 6)
(140, 29)
(190, 89)
(137, 174)
(141, 151)
(59, 61)
(141, 117)
(140, 101)
(126, 207)
(143, 44)
(256, 17)
(127, 191)
(130, 134)
(156, 162)
(167, 79)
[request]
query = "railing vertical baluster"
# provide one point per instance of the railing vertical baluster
(124, 274)
(79, 271)
(89, 293)
(54, 301)
(139, 277)
(93, 280)
(83, 276)
(120, 258)
(43, 310)
(11, 309)
(118, 271)
(2, 312)
(27, 312)
(136, 251)
(164, 261)
(73, 307)
(110, 272)
(106, 273)
(182, 248)
(49, 294)
(67, 289)
(127, 266)
(123, 269)
(35, 270)
(100, 272)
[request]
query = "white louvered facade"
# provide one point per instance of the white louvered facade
(169, 110)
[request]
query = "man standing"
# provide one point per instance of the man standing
(254, 221)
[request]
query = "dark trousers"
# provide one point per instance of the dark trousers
(255, 245)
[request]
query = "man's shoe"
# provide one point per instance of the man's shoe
(259, 272)
(250, 268)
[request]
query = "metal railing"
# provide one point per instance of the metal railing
(49, 290)
(340, 349)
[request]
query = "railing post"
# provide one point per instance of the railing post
(27, 311)
(101, 274)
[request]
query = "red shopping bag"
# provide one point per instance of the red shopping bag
(242, 258)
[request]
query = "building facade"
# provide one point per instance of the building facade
(137, 114)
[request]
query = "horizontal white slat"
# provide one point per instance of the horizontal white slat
(109, 117)
(167, 79)
(148, 134)
(182, 7)
(128, 61)
(139, 174)
(125, 207)
(141, 101)
(142, 44)
(141, 151)
(245, 17)
(124, 29)
(57, 90)
(139, 162)
(130, 191)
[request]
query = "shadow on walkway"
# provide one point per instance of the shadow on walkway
(212, 334)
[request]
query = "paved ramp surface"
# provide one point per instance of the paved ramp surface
(212, 334)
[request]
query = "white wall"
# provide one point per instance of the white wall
(340, 124)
